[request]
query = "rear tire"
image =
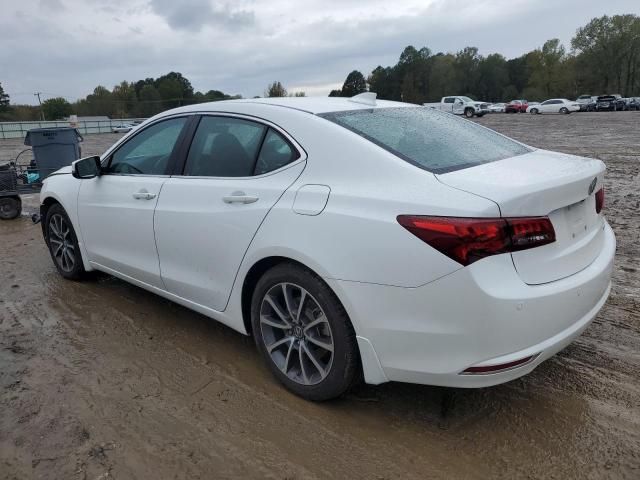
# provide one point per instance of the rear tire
(564, 110)
(63, 243)
(10, 208)
(312, 350)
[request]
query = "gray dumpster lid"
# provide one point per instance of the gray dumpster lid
(45, 136)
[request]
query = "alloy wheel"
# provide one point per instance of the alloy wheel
(61, 242)
(296, 333)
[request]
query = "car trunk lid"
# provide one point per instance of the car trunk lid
(543, 183)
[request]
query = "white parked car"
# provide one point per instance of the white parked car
(123, 128)
(342, 234)
(555, 105)
(496, 108)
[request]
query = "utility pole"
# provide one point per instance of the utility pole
(37, 94)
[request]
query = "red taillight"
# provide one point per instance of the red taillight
(599, 200)
(467, 240)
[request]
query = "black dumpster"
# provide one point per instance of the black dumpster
(53, 148)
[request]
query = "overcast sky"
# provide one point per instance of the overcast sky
(67, 47)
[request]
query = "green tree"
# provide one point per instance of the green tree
(125, 99)
(354, 84)
(149, 101)
(275, 89)
(466, 67)
(56, 108)
(335, 93)
(546, 65)
(493, 75)
(4, 100)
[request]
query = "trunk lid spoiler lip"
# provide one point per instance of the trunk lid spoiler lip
(535, 183)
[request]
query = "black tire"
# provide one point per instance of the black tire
(468, 112)
(564, 110)
(10, 207)
(67, 241)
(534, 111)
(344, 370)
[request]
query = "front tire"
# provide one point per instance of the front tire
(304, 334)
(534, 111)
(63, 243)
(468, 113)
(10, 208)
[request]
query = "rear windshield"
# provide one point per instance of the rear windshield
(435, 141)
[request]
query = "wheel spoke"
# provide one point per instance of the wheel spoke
(315, 323)
(288, 300)
(302, 369)
(303, 297)
(57, 250)
(71, 256)
(320, 343)
(276, 309)
(54, 228)
(277, 343)
(313, 359)
(285, 369)
(267, 321)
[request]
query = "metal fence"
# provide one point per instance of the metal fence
(19, 129)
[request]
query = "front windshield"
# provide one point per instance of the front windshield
(435, 141)
(466, 99)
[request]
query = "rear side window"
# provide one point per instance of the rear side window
(234, 147)
(432, 140)
(224, 147)
(275, 153)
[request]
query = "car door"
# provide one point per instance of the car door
(447, 106)
(545, 107)
(236, 170)
(458, 106)
(115, 210)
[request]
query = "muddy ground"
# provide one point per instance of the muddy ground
(101, 379)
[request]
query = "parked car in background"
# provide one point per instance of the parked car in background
(611, 103)
(122, 128)
(631, 103)
(461, 106)
(587, 103)
(516, 106)
(496, 108)
(555, 105)
(267, 215)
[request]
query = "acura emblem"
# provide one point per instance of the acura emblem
(592, 186)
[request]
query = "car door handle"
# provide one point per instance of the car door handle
(144, 195)
(239, 197)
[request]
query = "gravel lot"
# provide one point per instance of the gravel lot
(101, 379)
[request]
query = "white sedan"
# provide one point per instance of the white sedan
(554, 105)
(122, 128)
(352, 238)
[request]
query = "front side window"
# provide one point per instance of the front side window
(148, 152)
(234, 147)
(430, 139)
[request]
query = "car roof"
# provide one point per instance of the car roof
(313, 105)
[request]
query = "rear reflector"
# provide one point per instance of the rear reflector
(467, 240)
(599, 200)
(501, 367)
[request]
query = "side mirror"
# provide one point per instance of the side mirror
(88, 167)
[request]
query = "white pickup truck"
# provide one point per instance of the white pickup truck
(461, 106)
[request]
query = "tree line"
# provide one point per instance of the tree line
(604, 58)
(140, 99)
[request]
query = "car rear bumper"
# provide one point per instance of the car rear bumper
(480, 315)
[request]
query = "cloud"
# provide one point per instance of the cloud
(192, 15)
(241, 46)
